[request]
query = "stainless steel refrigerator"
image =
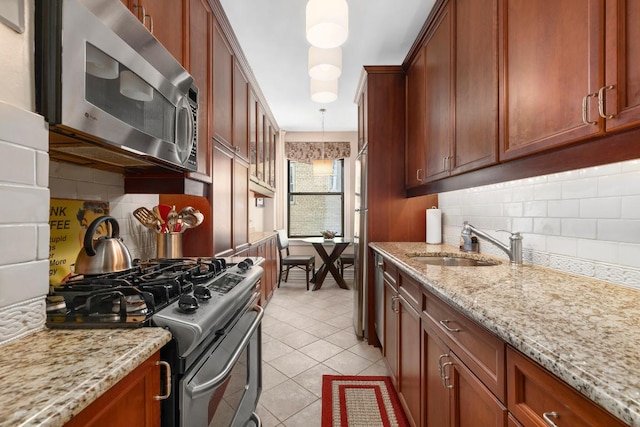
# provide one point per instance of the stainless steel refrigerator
(360, 246)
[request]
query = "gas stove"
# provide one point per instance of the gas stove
(193, 289)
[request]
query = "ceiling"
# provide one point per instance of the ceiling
(272, 36)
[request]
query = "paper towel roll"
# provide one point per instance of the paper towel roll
(434, 225)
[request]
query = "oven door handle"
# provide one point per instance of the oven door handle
(197, 390)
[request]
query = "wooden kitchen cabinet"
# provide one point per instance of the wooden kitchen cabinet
(452, 94)
(415, 145)
(409, 382)
(391, 216)
(438, 122)
(131, 402)
(551, 55)
(166, 20)
(475, 127)
(391, 331)
(535, 394)
(464, 369)
(200, 32)
(230, 201)
(222, 196)
(240, 112)
(267, 249)
(223, 71)
(622, 65)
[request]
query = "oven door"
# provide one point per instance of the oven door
(223, 388)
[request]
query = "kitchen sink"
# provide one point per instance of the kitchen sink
(453, 261)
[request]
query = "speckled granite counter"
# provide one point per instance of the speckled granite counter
(48, 377)
(586, 332)
(258, 236)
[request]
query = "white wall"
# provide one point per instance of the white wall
(585, 222)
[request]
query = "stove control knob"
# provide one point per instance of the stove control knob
(202, 293)
(243, 266)
(187, 303)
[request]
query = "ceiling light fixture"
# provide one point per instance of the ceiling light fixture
(322, 167)
(325, 64)
(324, 91)
(327, 23)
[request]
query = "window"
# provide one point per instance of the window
(316, 203)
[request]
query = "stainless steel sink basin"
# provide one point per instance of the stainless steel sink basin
(453, 261)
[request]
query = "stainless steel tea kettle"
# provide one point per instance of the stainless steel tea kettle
(107, 254)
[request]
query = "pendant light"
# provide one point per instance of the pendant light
(325, 64)
(322, 167)
(327, 23)
(324, 91)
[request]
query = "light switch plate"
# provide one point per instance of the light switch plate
(12, 14)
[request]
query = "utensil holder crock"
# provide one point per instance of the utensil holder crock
(169, 245)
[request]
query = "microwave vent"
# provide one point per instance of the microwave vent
(96, 154)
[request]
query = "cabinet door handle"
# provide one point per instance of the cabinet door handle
(418, 172)
(601, 102)
(585, 109)
(394, 300)
(144, 12)
(547, 418)
(442, 356)
(167, 380)
(444, 324)
(144, 18)
(445, 378)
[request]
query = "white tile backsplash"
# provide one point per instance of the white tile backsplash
(583, 221)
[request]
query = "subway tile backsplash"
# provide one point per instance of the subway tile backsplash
(27, 182)
(584, 221)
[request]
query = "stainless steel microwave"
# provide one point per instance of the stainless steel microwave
(109, 90)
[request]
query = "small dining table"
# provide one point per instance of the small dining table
(328, 259)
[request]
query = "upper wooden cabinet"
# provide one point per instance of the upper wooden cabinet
(240, 112)
(475, 137)
(561, 83)
(622, 65)
(200, 32)
(223, 71)
(452, 94)
(416, 111)
(551, 55)
(438, 120)
(166, 20)
(530, 88)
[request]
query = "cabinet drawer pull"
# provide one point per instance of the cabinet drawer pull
(167, 380)
(601, 102)
(585, 109)
(144, 12)
(144, 18)
(444, 323)
(547, 418)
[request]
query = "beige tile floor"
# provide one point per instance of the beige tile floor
(306, 334)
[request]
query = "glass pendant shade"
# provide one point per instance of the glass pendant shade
(327, 23)
(323, 167)
(324, 91)
(325, 64)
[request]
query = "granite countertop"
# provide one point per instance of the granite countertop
(50, 376)
(585, 331)
(257, 236)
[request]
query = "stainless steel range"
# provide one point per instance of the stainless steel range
(211, 308)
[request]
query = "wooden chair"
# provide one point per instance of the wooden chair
(304, 262)
(345, 261)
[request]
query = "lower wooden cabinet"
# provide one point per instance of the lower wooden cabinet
(453, 393)
(409, 380)
(266, 249)
(537, 398)
(450, 371)
(131, 402)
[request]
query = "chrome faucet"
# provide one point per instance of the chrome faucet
(514, 250)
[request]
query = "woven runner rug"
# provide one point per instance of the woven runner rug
(358, 401)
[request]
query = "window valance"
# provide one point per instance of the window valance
(307, 152)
